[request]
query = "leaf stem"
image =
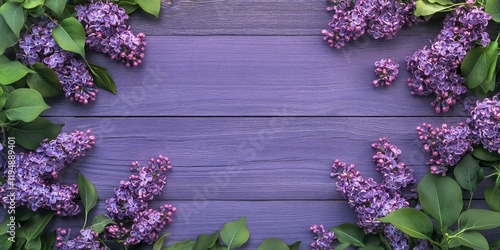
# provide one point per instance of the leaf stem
(471, 196)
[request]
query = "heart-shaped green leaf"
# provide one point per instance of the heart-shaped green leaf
(70, 35)
(234, 234)
(441, 197)
(24, 105)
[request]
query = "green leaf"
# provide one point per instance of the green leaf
(87, 193)
(495, 245)
(30, 134)
(181, 245)
(485, 155)
(102, 78)
(342, 246)
(31, 4)
(371, 247)
(8, 40)
(11, 71)
(35, 244)
(273, 244)
(57, 6)
(441, 2)
(128, 6)
(14, 15)
(411, 221)
(5, 243)
(206, 241)
(159, 243)
(48, 240)
(24, 213)
(492, 197)
(473, 240)
(100, 222)
(4, 227)
(441, 197)
(20, 244)
(24, 105)
(44, 80)
(479, 219)
(218, 246)
(150, 6)
(295, 246)
(235, 234)
(35, 226)
(3, 99)
(425, 8)
(476, 64)
(70, 35)
(349, 233)
(466, 172)
(493, 8)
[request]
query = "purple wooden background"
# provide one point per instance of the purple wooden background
(252, 107)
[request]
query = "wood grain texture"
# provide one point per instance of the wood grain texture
(256, 76)
(238, 17)
(223, 158)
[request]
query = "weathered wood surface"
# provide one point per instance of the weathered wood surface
(257, 76)
(252, 107)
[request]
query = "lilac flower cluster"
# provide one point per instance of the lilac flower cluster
(396, 174)
(387, 71)
(322, 239)
(87, 239)
(445, 145)
(372, 200)
(380, 18)
(107, 32)
(434, 69)
(484, 121)
(130, 202)
(38, 45)
(35, 171)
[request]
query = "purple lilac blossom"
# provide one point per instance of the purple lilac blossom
(380, 18)
(36, 170)
(86, 239)
(434, 69)
(396, 174)
(107, 32)
(484, 117)
(445, 145)
(386, 71)
(371, 200)
(322, 239)
(130, 202)
(38, 45)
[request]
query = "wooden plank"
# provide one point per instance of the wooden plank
(224, 158)
(241, 17)
(287, 220)
(256, 76)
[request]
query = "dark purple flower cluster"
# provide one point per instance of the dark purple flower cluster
(130, 203)
(484, 121)
(396, 174)
(445, 145)
(387, 71)
(38, 45)
(380, 18)
(322, 239)
(107, 32)
(434, 69)
(372, 200)
(36, 170)
(87, 239)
